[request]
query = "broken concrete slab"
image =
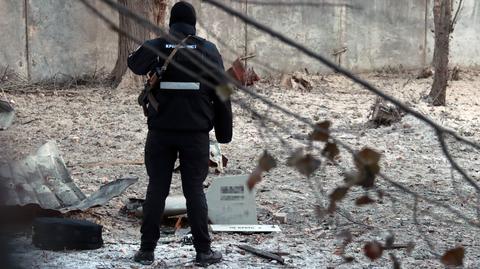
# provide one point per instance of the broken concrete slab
(7, 115)
(230, 201)
(42, 179)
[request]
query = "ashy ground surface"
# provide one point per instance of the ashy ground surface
(104, 125)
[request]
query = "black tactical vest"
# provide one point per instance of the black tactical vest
(185, 104)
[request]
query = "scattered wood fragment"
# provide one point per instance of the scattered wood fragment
(178, 223)
(397, 246)
(425, 73)
(262, 253)
(292, 190)
(246, 57)
(297, 81)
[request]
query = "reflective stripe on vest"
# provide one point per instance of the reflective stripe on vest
(180, 85)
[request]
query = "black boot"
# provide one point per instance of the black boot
(204, 259)
(144, 257)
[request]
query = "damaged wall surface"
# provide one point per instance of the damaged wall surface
(57, 40)
(60, 39)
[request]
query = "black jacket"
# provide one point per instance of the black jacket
(185, 110)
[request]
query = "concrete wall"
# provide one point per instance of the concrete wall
(378, 34)
(64, 39)
(385, 32)
(13, 42)
(315, 27)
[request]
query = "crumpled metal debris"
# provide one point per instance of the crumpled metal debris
(43, 179)
(244, 76)
(7, 115)
(174, 205)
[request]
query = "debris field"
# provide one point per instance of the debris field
(100, 133)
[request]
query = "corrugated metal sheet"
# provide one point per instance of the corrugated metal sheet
(43, 179)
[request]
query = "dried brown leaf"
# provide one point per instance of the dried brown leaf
(321, 131)
(266, 162)
(254, 178)
(366, 161)
(296, 156)
(364, 200)
(224, 92)
(351, 178)
(332, 207)
(307, 165)
(368, 156)
(339, 193)
(454, 257)
(320, 212)
(373, 250)
(330, 151)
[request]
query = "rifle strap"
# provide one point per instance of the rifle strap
(151, 98)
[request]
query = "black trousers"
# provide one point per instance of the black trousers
(161, 151)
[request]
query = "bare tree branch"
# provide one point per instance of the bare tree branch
(455, 18)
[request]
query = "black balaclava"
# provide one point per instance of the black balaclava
(183, 12)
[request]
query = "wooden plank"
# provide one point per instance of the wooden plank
(262, 253)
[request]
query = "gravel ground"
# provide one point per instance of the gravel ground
(104, 125)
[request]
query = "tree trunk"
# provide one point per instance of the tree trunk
(154, 10)
(442, 14)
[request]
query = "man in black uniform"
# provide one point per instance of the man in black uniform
(186, 111)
